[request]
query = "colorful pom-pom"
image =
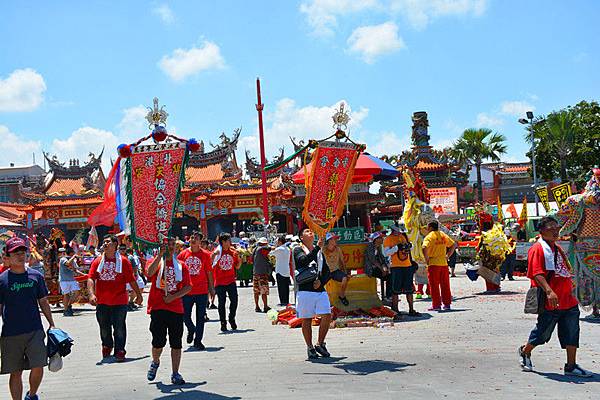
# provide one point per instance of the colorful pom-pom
(193, 145)
(159, 133)
(124, 150)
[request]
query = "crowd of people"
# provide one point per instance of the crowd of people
(186, 277)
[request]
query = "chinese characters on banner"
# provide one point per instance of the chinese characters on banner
(155, 181)
(561, 193)
(443, 200)
(328, 184)
(542, 193)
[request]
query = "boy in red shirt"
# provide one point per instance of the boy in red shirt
(549, 269)
(107, 286)
(225, 264)
(170, 282)
(198, 262)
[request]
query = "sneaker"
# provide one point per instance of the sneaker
(419, 296)
(266, 310)
(447, 308)
(152, 371)
(434, 309)
(106, 351)
(30, 397)
(312, 353)
(120, 355)
(199, 346)
(223, 326)
(576, 370)
(525, 361)
(322, 350)
(177, 379)
(233, 324)
(190, 337)
(257, 309)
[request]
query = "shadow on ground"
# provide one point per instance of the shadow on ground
(362, 368)
(207, 350)
(236, 331)
(179, 392)
(112, 360)
(501, 293)
(568, 379)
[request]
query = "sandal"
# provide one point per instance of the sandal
(344, 300)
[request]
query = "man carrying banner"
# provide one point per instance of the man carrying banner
(170, 282)
(107, 281)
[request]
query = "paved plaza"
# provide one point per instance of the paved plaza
(467, 353)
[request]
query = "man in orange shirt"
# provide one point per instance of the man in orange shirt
(437, 247)
(397, 247)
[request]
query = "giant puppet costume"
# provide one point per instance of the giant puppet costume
(579, 217)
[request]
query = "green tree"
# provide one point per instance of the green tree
(476, 145)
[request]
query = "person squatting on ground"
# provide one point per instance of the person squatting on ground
(312, 298)
(225, 263)
(170, 282)
(548, 268)
(283, 270)
(261, 273)
(69, 287)
(437, 248)
(397, 247)
(22, 293)
(335, 261)
(198, 263)
(107, 286)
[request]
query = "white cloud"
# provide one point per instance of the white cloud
(371, 42)
(485, 120)
(516, 108)
(134, 124)
(165, 13)
(389, 143)
(22, 90)
(16, 149)
(322, 14)
(183, 63)
(87, 140)
(419, 13)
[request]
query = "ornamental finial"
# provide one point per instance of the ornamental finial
(341, 118)
(156, 116)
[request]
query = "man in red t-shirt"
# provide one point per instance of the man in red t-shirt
(107, 286)
(549, 269)
(198, 262)
(170, 282)
(226, 262)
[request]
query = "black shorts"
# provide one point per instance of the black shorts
(402, 280)
(163, 322)
(338, 275)
(568, 327)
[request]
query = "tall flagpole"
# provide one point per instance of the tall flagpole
(263, 162)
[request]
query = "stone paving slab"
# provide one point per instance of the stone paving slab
(468, 353)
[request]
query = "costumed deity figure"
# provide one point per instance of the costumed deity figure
(491, 249)
(579, 217)
(417, 214)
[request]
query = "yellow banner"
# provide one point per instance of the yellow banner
(561, 193)
(500, 213)
(523, 217)
(542, 193)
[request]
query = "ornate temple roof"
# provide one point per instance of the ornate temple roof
(215, 166)
(253, 168)
(76, 180)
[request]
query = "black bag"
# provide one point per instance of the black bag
(535, 300)
(307, 275)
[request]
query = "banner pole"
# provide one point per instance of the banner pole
(265, 200)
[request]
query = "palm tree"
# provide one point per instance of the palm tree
(476, 145)
(560, 133)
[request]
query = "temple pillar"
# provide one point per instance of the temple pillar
(289, 222)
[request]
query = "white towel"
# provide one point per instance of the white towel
(218, 253)
(178, 271)
(548, 255)
(119, 263)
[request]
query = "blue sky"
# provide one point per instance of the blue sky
(75, 76)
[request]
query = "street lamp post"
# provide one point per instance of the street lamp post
(532, 150)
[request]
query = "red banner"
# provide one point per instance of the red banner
(328, 184)
(156, 174)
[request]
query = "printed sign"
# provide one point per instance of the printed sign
(561, 193)
(542, 193)
(443, 200)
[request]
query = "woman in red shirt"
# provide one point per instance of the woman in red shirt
(225, 263)
(198, 262)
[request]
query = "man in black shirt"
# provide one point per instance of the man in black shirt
(521, 233)
(312, 298)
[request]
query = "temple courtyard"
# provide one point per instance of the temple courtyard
(470, 352)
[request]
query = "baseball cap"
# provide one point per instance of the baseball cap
(330, 235)
(400, 228)
(15, 243)
(263, 240)
(376, 235)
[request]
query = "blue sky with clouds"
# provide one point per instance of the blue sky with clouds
(75, 76)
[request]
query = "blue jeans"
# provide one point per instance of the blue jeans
(200, 301)
(568, 327)
(113, 330)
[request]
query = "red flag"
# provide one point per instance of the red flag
(512, 210)
(106, 212)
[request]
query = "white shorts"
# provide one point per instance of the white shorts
(69, 287)
(140, 283)
(309, 304)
